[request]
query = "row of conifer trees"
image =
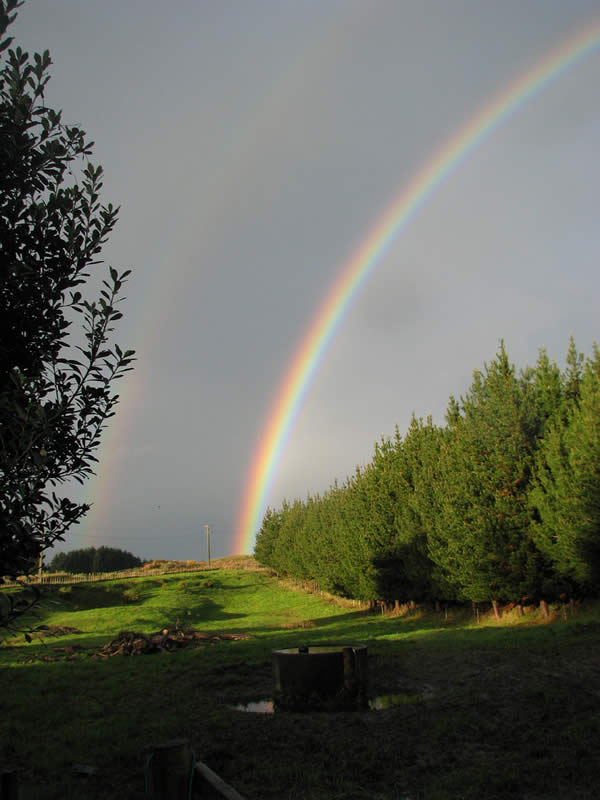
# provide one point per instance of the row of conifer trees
(500, 504)
(94, 559)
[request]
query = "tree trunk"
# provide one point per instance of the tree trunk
(544, 609)
(496, 609)
(519, 610)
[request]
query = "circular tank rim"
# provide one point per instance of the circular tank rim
(327, 648)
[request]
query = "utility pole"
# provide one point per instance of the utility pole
(207, 529)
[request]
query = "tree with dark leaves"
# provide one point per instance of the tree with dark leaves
(58, 362)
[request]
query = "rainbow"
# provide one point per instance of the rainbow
(355, 273)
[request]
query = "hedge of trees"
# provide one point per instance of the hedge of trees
(94, 559)
(501, 504)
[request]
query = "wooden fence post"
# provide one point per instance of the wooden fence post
(170, 770)
(9, 784)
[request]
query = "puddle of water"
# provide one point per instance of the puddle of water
(258, 707)
(380, 703)
(317, 649)
(385, 701)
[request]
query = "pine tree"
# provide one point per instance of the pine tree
(404, 566)
(482, 536)
(422, 446)
(573, 374)
(266, 538)
(566, 492)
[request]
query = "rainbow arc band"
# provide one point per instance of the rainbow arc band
(315, 342)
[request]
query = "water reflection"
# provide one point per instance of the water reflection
(385, 701)
(380, 703)
(258, 707)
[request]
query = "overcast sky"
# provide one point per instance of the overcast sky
(252, 145)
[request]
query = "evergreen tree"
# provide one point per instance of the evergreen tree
(266, 538)
(75, 561)
(379, 530)
(404, 569)
(573, 375)
(501, 504)
(547, 393)
(113, 559)
(94, 559)
(566, 492)
(365, 532)
(419, 512)
(482, 537)
(337, 549)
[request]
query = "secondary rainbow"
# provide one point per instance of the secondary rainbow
(174, 262)
(355, 273)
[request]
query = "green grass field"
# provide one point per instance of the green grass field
(507, 709)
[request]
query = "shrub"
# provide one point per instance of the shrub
(132, 595)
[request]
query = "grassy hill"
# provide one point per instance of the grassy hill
(507, 709)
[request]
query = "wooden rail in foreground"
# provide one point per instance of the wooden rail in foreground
(173, 774)
(211, 787)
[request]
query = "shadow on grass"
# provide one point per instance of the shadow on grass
(387, 637)
(191, 615)
(87, 596)
(201, 602)
(396, 633)
(198, 612)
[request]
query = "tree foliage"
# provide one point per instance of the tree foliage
(58, 364)
(566, 491)
(94, 559)
(482, 538)
(502, 504)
